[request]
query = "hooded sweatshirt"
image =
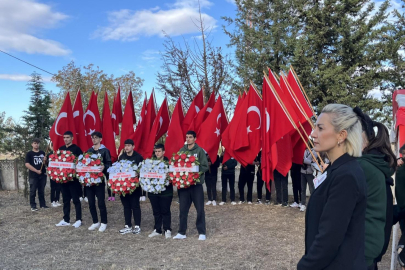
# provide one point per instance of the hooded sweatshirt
(105, 156)
(376, 170)
(199, 153)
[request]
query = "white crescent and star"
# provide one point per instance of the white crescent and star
(113, 116)
(76, 114)
(209, 109)
(217, 131)
(160, 124)
(94, 118)
(267, 121)
(256, 110)
(197, 109)
(61, 115)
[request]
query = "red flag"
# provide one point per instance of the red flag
(298, 94)
(247, 142)
(175, 137)
(64, 122)
(137, 136)
(128, 121)
(269, 152)
(195, 107)
(299, 145)
(203, 114)
(117, 113)
(292, 100)
(91, 118)
(159, 128)
(215, 124)
(81, 139)
(150, 115)
(108, 133)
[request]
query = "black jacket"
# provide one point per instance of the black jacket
(335, 219)
(213, 168)
(136, 157)
(72, 148)
(231, 164)
(105, 155)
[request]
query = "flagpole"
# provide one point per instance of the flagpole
(290, 118)
(303, 90)
(257, 91)
(46, 153)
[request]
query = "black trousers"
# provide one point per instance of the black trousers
(224, 179)
(55, 191)
(281, 183)
(132, 207)
(71, 191)
(211, 183)
(161, 211)
(260, 184)
(37, 183)
(243, 179)
(195, 195)
(296, 181)
(83, 192)
(98, 191)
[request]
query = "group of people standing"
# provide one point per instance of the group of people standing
(161, 203)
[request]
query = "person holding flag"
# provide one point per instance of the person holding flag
(99, 191)
(211, 181)
(228, 174)
(71, 190)
(193, 194)
(130, 202)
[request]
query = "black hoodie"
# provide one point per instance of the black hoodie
(105, 156)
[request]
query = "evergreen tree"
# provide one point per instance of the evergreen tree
(37, 118)
(264, 35)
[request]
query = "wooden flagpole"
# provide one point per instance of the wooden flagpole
(291, 121)
(46, 153)
(303, 90)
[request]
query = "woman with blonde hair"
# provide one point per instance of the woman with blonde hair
(335, 217)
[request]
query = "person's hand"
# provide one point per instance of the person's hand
(400, 162)
(209, 163)
(325, 166)
(38, 171)
(225, 168)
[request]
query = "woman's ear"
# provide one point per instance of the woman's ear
(342, 136)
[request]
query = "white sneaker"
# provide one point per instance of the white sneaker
(299, 205)
(180, 236)
(94, 226)
(81, 199)
(222, 203)
(77, 224)
(102, 227)
(168, 234)
(302, 208)
(126, 230)
(240, 202)
(249, 202)
(294, 205)
(142, 199)
(154, 233)
(214, 203)
(137, 230)
(233, 203)
(208, 203)
(62, 223)
(53, 204)
(202, 237)
(85, 199)
(57, 203)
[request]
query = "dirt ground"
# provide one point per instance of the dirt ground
(238, 237)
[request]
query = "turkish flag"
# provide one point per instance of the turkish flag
(195, 107)
(64, 122)
(293, 101)
(150, 115)
(108, 133)
(203, 114)
(247, 141)
(91, 119)
(298, 93)
(159, 128)
(137, 136)
(80, 136)
(128, 121)
(117, 113)
(269, 156)
(175, 137)
(212, 128)
(299, 145)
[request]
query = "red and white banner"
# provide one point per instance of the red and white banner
(183, 169)
(64, 165)
(122, 175)
(89, 169)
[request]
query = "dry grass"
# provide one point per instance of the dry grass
(238, 237)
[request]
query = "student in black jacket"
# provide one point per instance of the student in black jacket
(211, 181)
(228, 174)
(246, 176)
(99, 191)
(131, 201)
(71, 190)
(335, 216)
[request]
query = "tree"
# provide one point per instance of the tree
(191, 67)
(88, 78)
(264, 35)
(37, 118)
